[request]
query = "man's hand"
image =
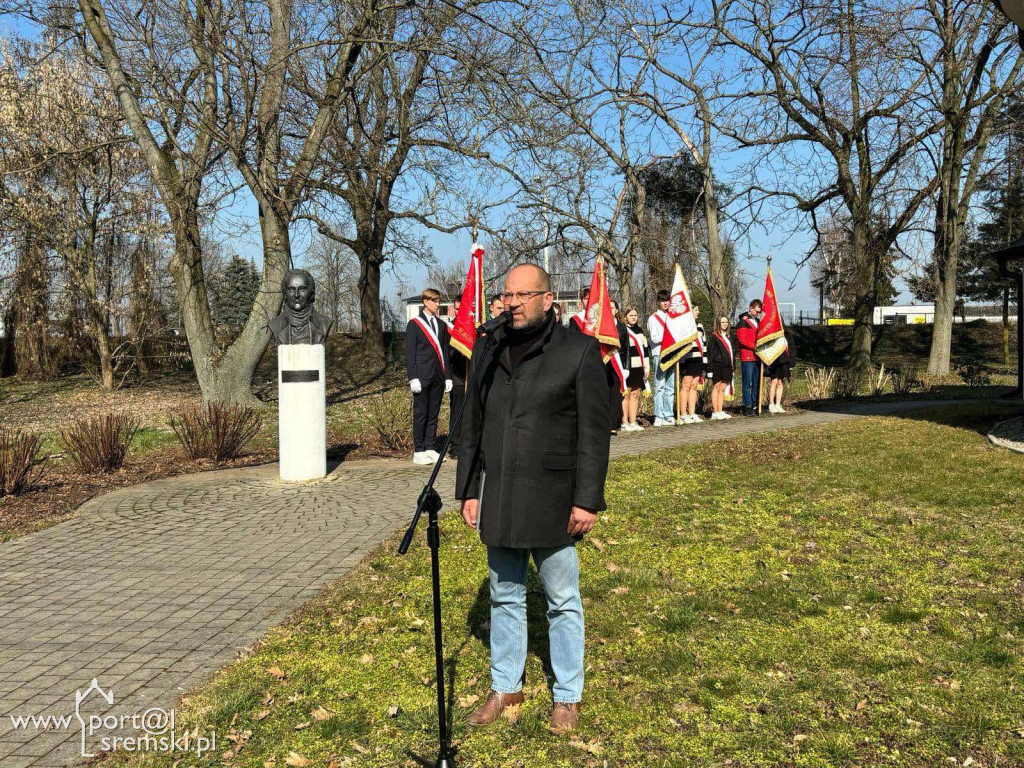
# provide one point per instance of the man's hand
(447, 385)
(469, 508)
(580, 521)
(415, 386)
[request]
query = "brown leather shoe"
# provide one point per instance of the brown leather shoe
(498, 704)
(565, 718)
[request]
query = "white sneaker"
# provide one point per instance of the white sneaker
(687, 419)
(726, 415)
(660, 423)
(695, 419)
(779, 409)
(636, 427)
(624, 427)
(716, 416)
(433, 455)
(421, 457)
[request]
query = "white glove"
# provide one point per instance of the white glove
(447, 385)
(710, 375)
(415, 386)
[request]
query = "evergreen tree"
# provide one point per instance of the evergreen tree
(235, 292)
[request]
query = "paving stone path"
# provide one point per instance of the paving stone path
(151, 589)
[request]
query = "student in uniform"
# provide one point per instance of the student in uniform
(634, 357)
(615, 398)
(664, 381)
(723, 367)
(428, 368)
(693, 366)
(750, 365)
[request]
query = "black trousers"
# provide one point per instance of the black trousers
(614, 396)
(454, 400)
(425, 408)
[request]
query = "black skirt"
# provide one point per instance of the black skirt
(722, 373)
(693, 366)
(635, 379)
(781, 369)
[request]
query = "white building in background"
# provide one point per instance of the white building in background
(915, 314)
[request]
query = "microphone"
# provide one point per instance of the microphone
(494, 324)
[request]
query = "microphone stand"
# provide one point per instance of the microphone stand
(430, 502)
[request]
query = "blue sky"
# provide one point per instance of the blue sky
(784, 234)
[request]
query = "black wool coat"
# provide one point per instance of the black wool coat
(538, 435)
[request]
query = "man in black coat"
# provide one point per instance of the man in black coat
(428, 368)
(533, 456)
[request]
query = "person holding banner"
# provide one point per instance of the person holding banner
(750, 366)
(664, 380)
(469, 309)
(615, 370)
(680, 333)
(635, 360)
(428, 368)
(772, 346)
(723, 368)
(694, 365)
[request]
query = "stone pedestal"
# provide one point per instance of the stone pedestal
(301, 412)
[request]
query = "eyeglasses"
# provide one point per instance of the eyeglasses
(521, 296)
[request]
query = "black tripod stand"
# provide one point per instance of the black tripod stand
(430, 502)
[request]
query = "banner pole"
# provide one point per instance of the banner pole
(677, 393)
(760, 391)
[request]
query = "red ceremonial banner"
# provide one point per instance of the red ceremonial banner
(600, 323)
(771, 336)
(471, 309)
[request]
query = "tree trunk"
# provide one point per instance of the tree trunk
(106, 357)
(944, 273)
(371, 257)
(227, 377)
(719, 288)
(864, 307)
(30, 328)
(1006, 328)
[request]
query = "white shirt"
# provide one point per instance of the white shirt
(656, 331)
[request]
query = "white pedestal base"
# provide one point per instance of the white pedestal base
(301, 412)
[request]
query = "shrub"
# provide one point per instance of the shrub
(217, 432)
(821, 383)
(850, 381)
(21, 463)
(100, 444)
(879, 381)
(974, 374)
(391, 418)
(904, 376)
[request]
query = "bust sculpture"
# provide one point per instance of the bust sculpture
(299, 322)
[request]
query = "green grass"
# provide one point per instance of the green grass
(846, 595)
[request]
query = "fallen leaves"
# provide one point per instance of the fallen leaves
(295, 760)
(276, 672)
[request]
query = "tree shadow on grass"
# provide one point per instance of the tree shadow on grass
(975, 415)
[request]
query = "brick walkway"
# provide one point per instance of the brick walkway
(151, 589)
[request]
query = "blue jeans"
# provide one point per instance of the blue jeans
(664, 391)
(560, 574)
(751, 382)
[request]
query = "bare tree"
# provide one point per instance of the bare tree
(830, 93)
(336, 271)
(396, 148)
(979, 66)
(256, 85)
(72, 181)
